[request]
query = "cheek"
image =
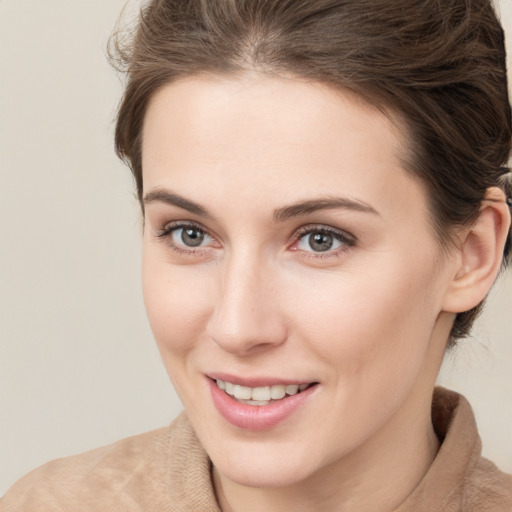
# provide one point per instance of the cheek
(372, 335)
(176, 303)
(370, 323)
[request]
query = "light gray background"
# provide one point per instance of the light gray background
(78, 366)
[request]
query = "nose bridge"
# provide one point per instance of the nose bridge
(246, 312)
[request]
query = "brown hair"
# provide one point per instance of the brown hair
(439, 64)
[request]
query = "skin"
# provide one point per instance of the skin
(367, 320)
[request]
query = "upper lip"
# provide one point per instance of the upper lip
(256, 381)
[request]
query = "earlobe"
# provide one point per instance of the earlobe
(481, 253)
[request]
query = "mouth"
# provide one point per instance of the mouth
(259, 404)
(261, 395)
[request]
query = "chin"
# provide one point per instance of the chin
(273, 475)
(267, 466)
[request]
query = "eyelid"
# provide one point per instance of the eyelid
(169, 227)
(311, 228)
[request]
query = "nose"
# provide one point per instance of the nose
(246, 317)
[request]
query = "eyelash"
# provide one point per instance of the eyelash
(346, 240)
(165, 234)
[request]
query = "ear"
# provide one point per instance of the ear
(480, 254)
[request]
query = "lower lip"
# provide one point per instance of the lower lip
(257, 417)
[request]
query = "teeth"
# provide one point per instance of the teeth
(242, 392)
(260, 395)
(230, 388)
(277, 392)
(291, 389)
(256, 402)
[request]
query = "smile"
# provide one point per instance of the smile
(260, 396)
(260, 407)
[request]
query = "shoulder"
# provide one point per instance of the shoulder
(487, 488)
(106, 478)
(480, 485)
(483, 486)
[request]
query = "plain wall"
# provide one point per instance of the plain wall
(78, 365)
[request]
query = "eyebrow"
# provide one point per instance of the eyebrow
(280, 215)
(164, 196)
(314, 205)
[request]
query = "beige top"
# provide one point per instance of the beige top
(168, 470)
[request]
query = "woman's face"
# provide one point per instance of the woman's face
(285, 246)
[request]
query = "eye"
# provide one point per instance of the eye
(323, 240)
(183, 237)
(191, 236)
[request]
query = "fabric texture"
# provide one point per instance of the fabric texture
(168, 470)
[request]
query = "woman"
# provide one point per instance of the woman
(326, 205)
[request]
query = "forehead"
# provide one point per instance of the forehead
(257, 133)
(256, 108)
